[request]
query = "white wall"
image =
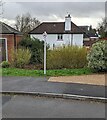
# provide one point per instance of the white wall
(78, 39)
(67, 39)
(51, 39)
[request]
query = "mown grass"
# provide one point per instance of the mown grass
(34, 73)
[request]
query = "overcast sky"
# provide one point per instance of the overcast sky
(82, 13)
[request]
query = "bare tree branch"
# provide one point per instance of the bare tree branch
(103, 28)
(26, 23)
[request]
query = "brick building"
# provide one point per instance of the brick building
(9, 38)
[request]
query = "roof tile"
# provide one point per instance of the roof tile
(56, 28)
(6, 29)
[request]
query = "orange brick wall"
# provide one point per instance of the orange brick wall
(10, 43)
(18, 39)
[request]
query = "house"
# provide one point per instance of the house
(90, 36)
(9, 38)
(90, 40)
(59, 33)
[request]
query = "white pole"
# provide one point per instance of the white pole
(44, 35)
(45, 56)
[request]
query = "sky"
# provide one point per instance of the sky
(82, 13)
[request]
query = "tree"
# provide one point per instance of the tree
(92, 30)
(25, 23)
(102, 29)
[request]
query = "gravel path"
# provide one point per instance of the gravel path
(96, 79)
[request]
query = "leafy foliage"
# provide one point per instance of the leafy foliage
(67, 57)
(20, 58)
(36, 47)
(5, 64)
(97, 57)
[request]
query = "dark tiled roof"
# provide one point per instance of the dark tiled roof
(55, 28)
(6, 29)
(84, 28)
(89, 35)
(92, 34)
(87, 32)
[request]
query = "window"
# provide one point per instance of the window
(60, 37)
(3, 52)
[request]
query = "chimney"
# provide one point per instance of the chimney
(68, 23)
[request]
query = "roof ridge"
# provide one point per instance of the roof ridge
(55, 22)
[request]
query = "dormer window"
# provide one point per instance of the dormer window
(60, 37)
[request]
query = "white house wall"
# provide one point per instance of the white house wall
(51, 39)
(78, 39)
(67, 39)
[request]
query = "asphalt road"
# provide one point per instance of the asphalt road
(41, 84)
(42, 107)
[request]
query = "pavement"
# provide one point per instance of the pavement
(37, 85)
(93, 79)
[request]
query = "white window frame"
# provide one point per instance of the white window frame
(6, 48)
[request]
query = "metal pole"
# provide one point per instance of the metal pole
(45, 55)
(44, 35)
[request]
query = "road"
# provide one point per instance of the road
(41, 107)
(41, 84)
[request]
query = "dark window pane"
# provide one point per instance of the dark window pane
(61, 37)
(58, 37)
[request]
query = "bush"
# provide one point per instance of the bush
(36, 47)
(20, 58)
(97, 57)
(67, 57)
(5, 64)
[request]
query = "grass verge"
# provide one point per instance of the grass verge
(34, 73)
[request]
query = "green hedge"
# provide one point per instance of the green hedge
(67, 57)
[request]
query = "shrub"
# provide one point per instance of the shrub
(20, 58)
(97, 57)
(67, 57)
(36, 47)
(5, 64)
